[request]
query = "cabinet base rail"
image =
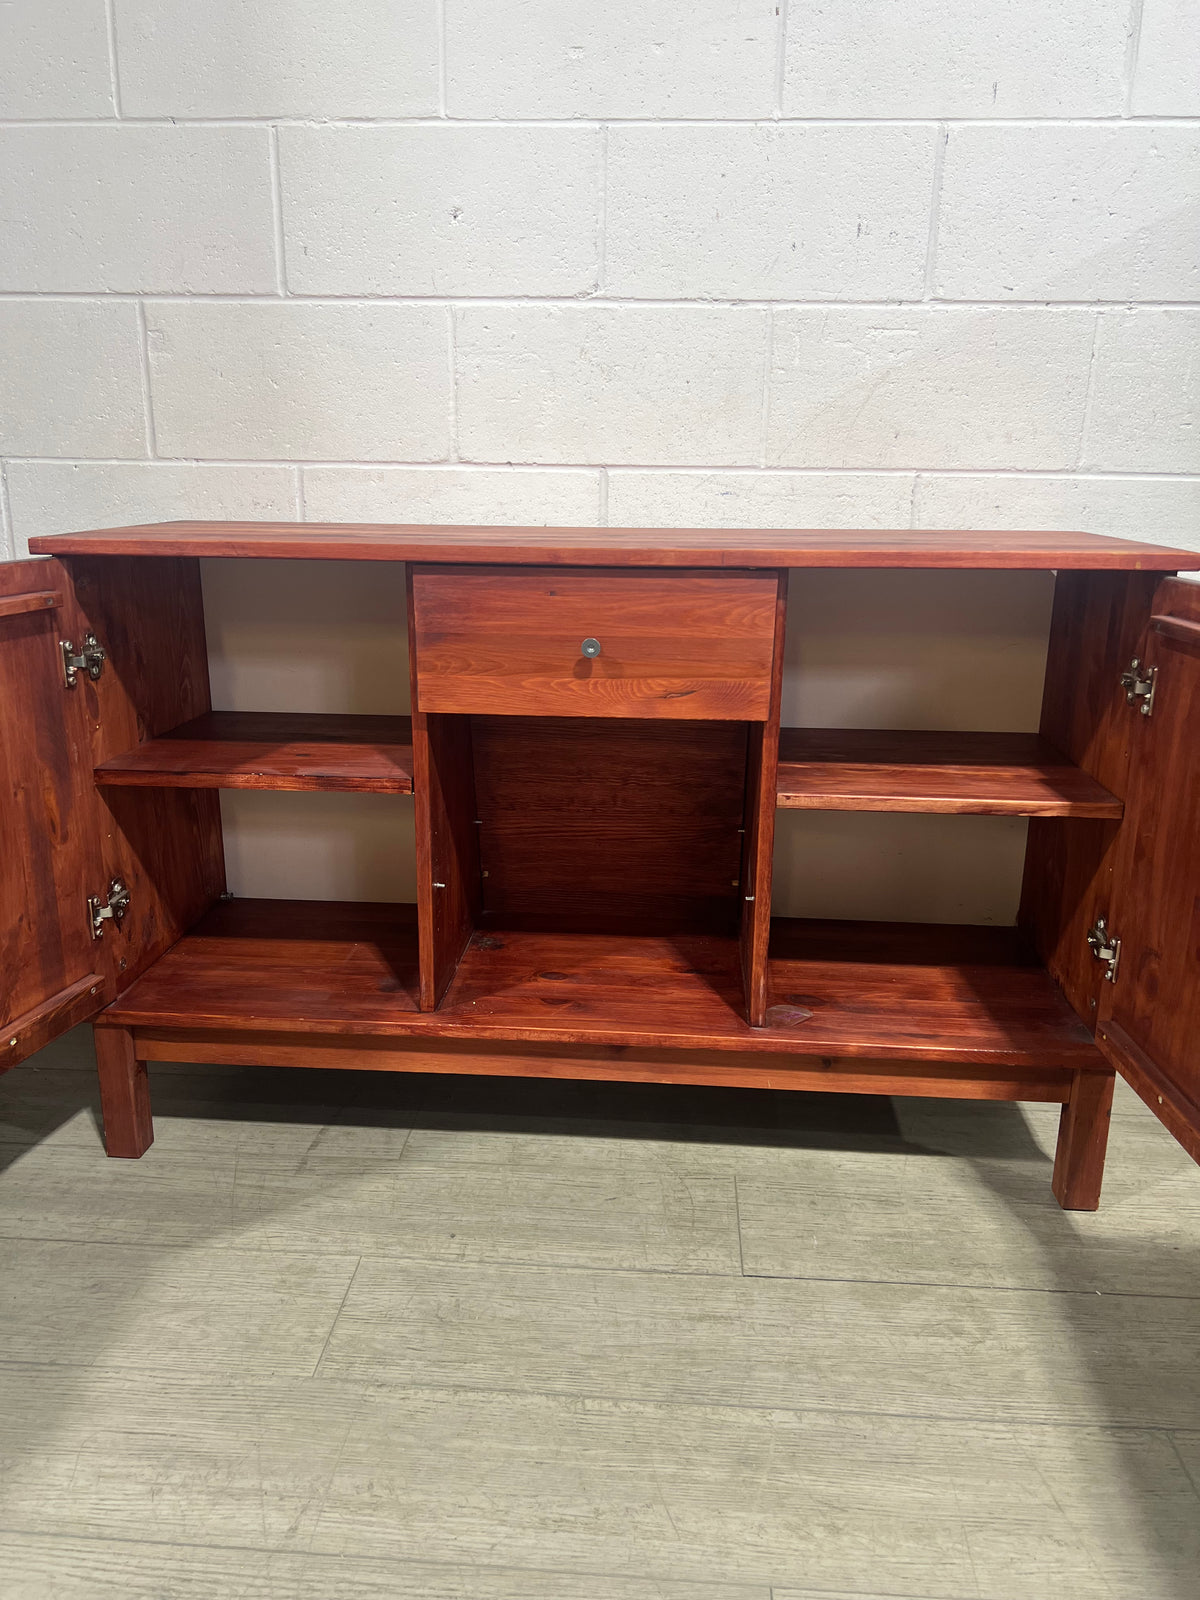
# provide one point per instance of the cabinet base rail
(1085, 1095)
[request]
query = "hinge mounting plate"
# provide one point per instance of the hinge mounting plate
(1139, 683)
(90, 659)
(111, 909)
(1105, 948)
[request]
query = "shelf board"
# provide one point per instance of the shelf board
(984, 774)
(271, 750)
(621, 547)
(872, 991)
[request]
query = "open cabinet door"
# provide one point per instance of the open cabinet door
(53, 974)
(1149, 1013)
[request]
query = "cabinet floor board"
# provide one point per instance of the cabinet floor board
(867, 990)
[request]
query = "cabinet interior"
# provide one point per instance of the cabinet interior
(600, 877)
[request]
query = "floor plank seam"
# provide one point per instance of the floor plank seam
(744, 1591)
(532, 1264)
(979, 1288)
(1178, 1453)
(364, 1387)
(314, 1251)
(336, 1315)
(737, 1218)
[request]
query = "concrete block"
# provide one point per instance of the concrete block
(1166, 81)
(939, 386)
(66, 496)
(768, 212)
(448, 210)
(1145, 408)
(278, 58)
(300, 381)
(71, 379)
(593, 384)
(1059, 213)
(914, 58)
(54, 59)
(758, 499)
(484, 495)
(1159, 510)
(571, 58)
(168, 210)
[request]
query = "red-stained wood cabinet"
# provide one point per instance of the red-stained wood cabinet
(596, 762)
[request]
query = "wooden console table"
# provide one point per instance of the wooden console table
(596, 760)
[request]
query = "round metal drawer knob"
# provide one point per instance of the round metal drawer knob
(590, 648)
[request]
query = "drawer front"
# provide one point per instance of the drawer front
(535, 641)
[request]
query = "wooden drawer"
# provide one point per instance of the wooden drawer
(522, 641)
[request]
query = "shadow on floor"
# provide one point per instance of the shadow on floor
(997, 1141)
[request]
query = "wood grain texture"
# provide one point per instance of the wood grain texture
(719, 1069)
(618, 547)
(447, 843)
(165, 844)
(266, 1313)
(124, 1094)
(963, 1197)
(758, 852)
(856, 990)
(271, 750)
(51, 977)
(1150, 1017)
(593, 824)
(1098, 625)
(551, 1481)
(680, 645)
(45, 1022)
(769, 1342)
(80, 1569)
(16, 605)
(447, 848)
(980, 774)
(1083, 1142)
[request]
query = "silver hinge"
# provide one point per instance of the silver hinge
(90, 659)
(1139, 683)
(1105, 948)
(112, 909)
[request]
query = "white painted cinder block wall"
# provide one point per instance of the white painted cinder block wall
(735, 262)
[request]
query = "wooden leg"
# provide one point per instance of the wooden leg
(124, 1094)
(1082, 1142)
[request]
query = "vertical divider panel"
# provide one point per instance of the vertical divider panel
(447, 842)
(762, 770)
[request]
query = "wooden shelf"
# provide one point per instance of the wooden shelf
(271, 750)
(988, 774)
(872, 991)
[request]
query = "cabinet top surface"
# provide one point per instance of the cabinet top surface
(622, 547)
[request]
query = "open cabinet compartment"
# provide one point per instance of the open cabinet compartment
(587, 905)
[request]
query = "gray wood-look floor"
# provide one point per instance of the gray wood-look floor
(350, 1335)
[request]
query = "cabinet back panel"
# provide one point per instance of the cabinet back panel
(597, 823)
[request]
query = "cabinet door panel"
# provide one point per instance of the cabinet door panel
(1150, 1015)
(52, 973)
